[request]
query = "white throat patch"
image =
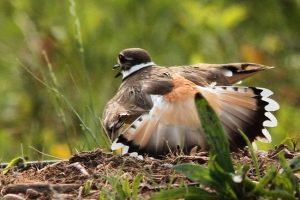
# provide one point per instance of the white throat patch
(135, 68)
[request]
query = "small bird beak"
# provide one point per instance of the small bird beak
(116, 66)
(118, 74)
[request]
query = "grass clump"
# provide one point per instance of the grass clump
(121, 188)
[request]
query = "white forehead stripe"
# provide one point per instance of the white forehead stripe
(135, 68)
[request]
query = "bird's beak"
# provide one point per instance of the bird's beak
(118, 74)
(116, 66)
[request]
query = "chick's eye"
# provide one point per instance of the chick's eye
(122, 58)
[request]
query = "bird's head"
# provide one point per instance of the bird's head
(131, 60)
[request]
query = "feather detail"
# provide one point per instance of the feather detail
(245, 108)
(236, 72)
(222, 74)
(166, 128)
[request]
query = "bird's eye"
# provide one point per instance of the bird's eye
(122, 58)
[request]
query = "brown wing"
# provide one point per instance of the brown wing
(171, 123)
(222, 74)
(123, 109)
(132, 100)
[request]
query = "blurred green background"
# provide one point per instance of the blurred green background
(54, 106)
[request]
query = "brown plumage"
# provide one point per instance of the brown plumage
(154, 110)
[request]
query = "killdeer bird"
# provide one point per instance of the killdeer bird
(154, 109)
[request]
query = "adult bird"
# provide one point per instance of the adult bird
(154, 110)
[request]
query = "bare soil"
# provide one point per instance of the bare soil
(66, 179)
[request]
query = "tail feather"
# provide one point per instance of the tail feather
(245, 108)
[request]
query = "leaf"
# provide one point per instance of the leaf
(218, 143)
(220, 165)
(120, 192)
(14, 162)
(295, 163)
(242, 170)
(279, 194)
(195, 173)
(265, 180)
(223, 181)
(289, 174)
(87, 186)
(117, 186)
(282, 181)
(135, 186)
(188, 193)
(126, 187)
(253, 155)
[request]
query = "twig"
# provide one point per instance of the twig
(39, 187)
(13, 196)
(51, 165)
(45, 154)
(160, 187)
(35, 163)
(78, 166)
(79, 196)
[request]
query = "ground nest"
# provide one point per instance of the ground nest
(67, 179)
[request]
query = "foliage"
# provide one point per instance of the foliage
(218, 144)
(186, 193)
(19, 161)
(221, 179)
(80, 40)
(121, 188)
(253, 155)
(87, 186)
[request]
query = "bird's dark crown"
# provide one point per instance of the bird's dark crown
(131, 57)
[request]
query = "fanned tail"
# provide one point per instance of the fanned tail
(246, 108)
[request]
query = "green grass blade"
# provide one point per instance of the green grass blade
(218, 143)
(126, 188)
(223, 181)
(253, 155)
(14, 162)
(87, 186)
(135, 186)
(120, 192)
(279, 194)
(188, 193)
(195, 173)
(265, 180)
(295, 163)
(289, 174)
(116, 186)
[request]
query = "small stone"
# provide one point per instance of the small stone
(13, 197)
(32, 194)
(167, 165)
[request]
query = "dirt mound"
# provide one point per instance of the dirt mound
(104, 171)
